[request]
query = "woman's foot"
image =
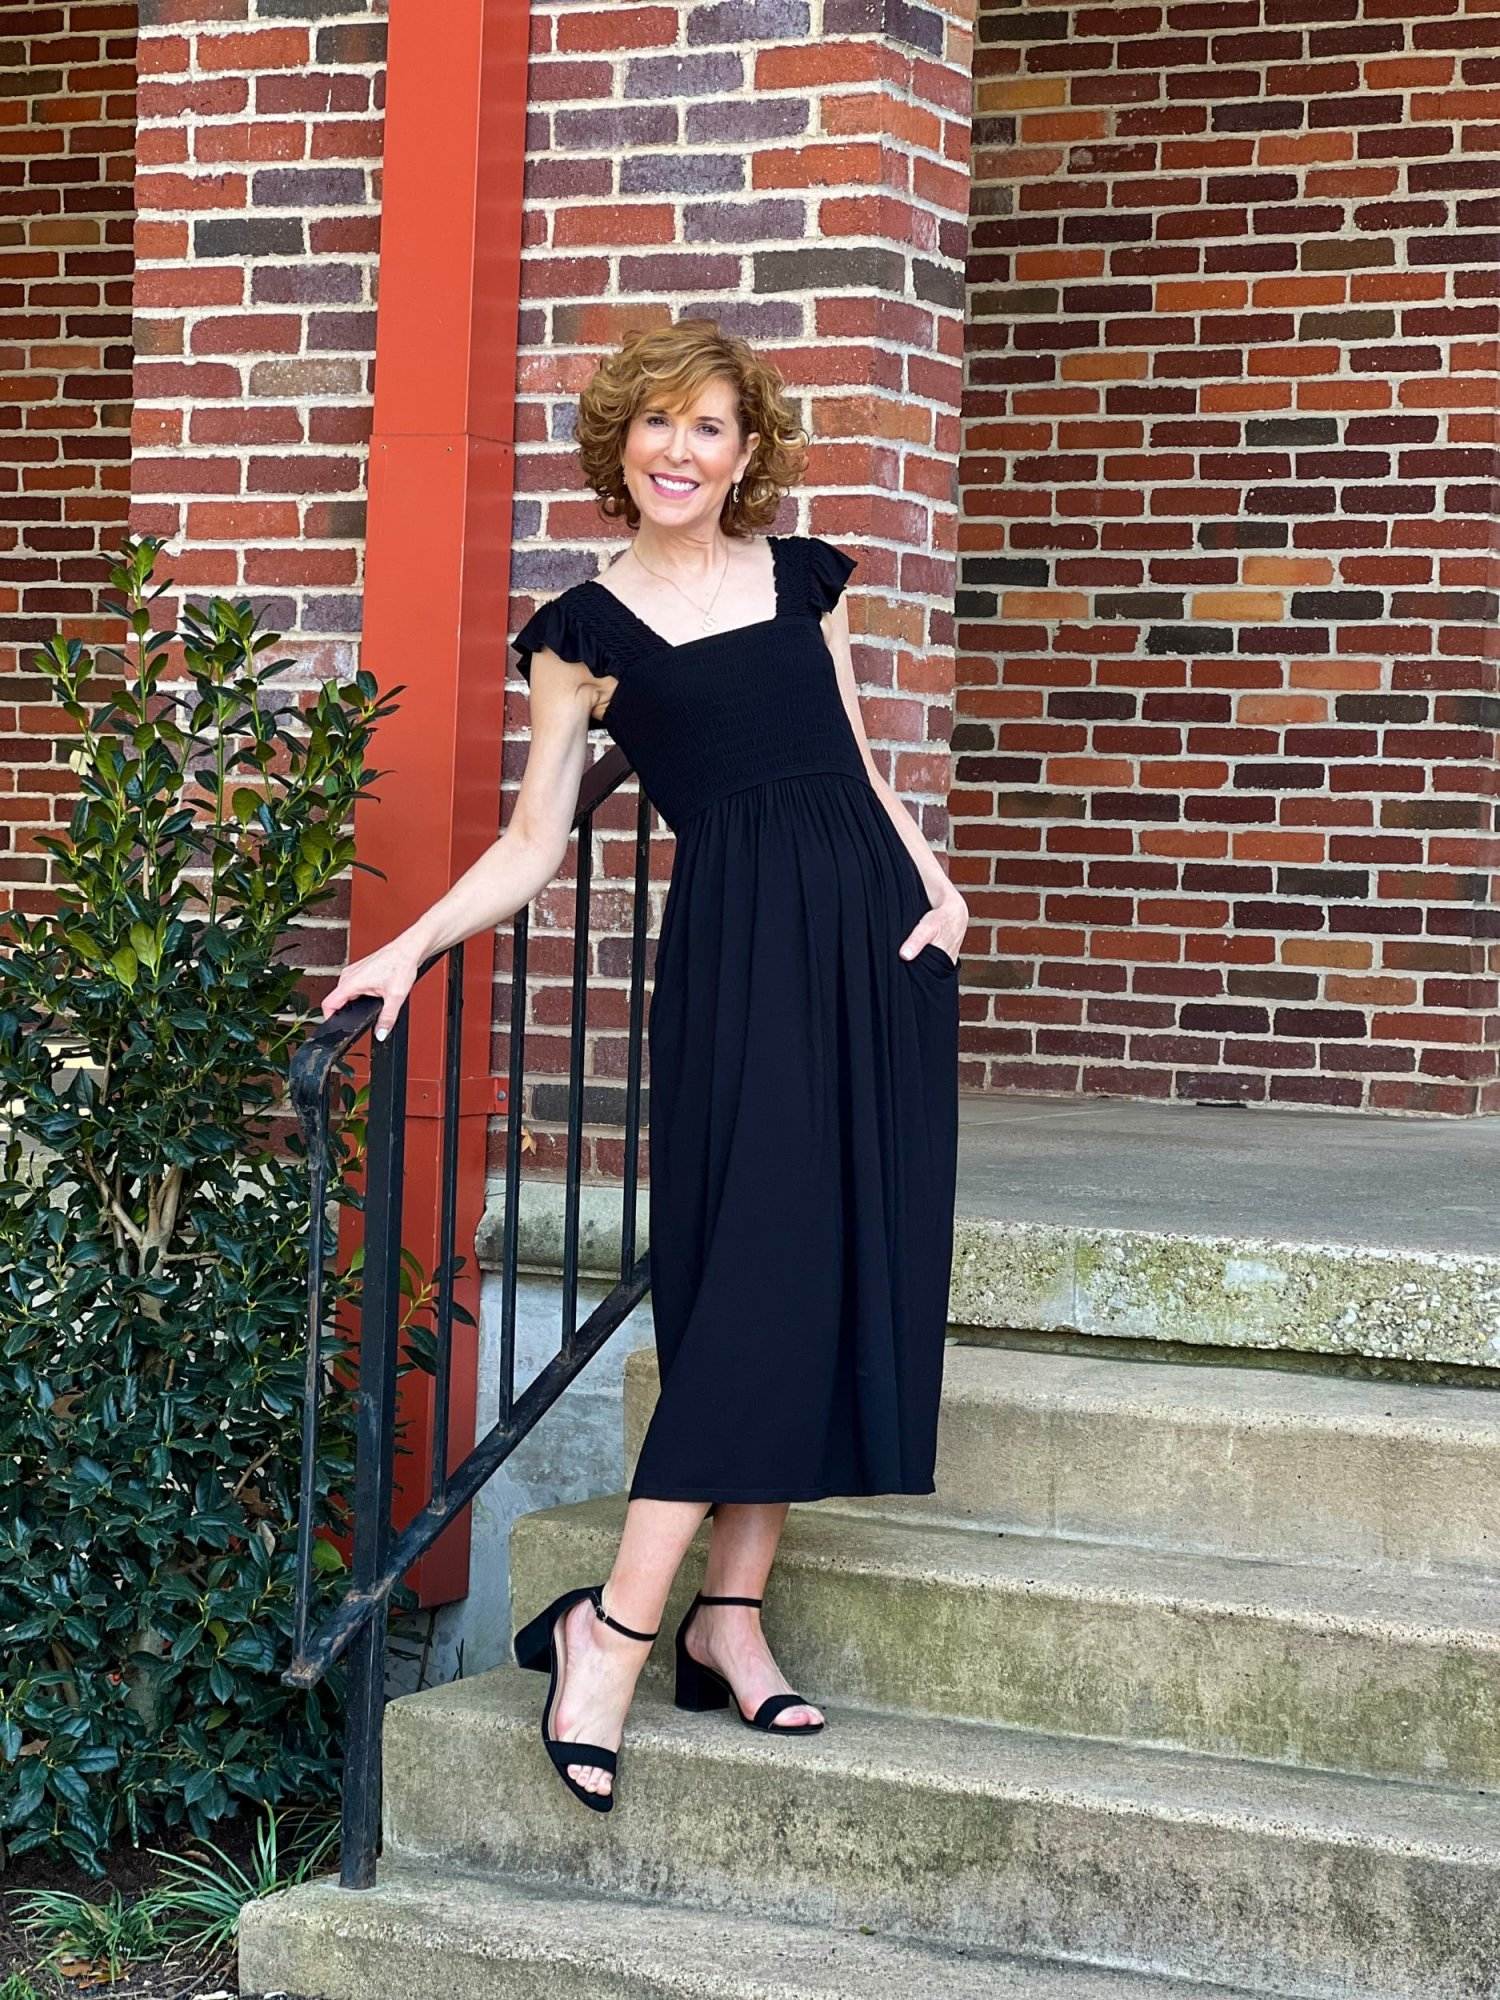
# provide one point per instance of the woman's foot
(728, 1638)
(596, 1683)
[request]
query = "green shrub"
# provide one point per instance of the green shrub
(152, 1236)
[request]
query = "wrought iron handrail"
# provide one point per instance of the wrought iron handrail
(380, 1557)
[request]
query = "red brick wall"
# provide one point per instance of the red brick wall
(258, 194)
(1226, 746)
(67, 87)
(797, 169)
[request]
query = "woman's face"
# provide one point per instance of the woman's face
(680, 464)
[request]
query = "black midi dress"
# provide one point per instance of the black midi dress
(803, 1110)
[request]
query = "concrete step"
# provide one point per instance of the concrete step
(1217, 1458)
(1379, 1671)
(1241, 1288)
(968, 1835)
(423, 1931)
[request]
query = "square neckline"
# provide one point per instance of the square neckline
(773, 542)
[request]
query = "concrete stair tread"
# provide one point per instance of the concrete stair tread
(1441, 1609)
(1235, 1397)
(940, 1755)
(472, 1937)
(1210, 1457)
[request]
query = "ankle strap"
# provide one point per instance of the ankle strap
(597, 1593)
(729, 1600)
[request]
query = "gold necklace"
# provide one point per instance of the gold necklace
(706, 614)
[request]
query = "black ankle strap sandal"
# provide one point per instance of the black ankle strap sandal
(700, 1688)
(596, 1592)
(536, 1647)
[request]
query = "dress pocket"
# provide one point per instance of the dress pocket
(936, 960)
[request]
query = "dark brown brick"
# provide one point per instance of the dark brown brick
(1219, 1018)
(1258, 115)
(1329, 1090)
(1030, 25)
(1369, 324)
(1091, 704)
(1322, 882)
(1281, 777)
(1371, 38)
(820, 269)
(1220, 1087)
(248, 236)
(1349, 253)
(1223, 877)
(1341, 113)
(1189, 640)
(1157, 806)
(1261, 982)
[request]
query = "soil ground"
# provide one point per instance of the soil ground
(132, 1870)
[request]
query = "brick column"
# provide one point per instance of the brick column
(1227, 618)
(258, 228)
(797, 169)
(67, 132)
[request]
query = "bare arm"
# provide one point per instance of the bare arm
(947, 921)
(516, 867)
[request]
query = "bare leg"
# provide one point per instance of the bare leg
(727, 1637)
(601, 1666)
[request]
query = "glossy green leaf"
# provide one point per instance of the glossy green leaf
(149, 1444)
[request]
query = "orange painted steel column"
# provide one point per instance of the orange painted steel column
(441, 473)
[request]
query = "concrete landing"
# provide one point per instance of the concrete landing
(1211, 1227)
(1210, 1170)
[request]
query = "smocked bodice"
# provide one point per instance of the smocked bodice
(705, 719)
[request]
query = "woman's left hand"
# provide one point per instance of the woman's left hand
(946, 925)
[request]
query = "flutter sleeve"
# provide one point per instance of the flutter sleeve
(828, 570)
(561, 628)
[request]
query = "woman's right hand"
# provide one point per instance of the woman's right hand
(391, 972)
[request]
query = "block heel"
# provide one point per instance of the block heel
(700, 1688)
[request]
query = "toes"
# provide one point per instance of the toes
(590, 1777)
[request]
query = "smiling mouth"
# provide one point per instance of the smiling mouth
(678, 490)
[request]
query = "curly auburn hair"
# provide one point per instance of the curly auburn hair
(669, 365)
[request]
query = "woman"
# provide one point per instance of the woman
(802, 1035)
